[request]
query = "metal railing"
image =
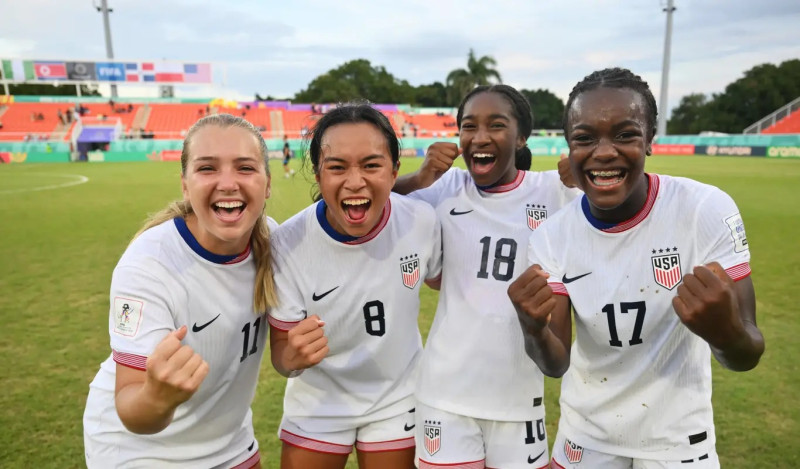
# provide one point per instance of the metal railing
(771, 119)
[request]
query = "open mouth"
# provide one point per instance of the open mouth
(482, 163)
(606, 178)
(229, 210)
(356, 209)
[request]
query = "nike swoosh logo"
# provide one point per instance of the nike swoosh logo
(196, 328)
(566, 279)
(250, 448)
(453, 212)
(533, 460)
(316, 297)
(408, 427)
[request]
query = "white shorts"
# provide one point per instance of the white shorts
(569, 455)
(392, 434)
(446, 440)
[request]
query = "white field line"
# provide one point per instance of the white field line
(75, 180)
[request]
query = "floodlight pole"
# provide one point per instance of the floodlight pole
(661, 129)
(107, 27)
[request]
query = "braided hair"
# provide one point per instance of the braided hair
(616, 78)
(520, 108)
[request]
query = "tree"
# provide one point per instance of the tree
(691, 115)
(478, 72)
(356, 79)
(433, 95)
(36, 89)
(548, 109)
(763, 90)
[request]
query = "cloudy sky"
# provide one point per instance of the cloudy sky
(277, 47)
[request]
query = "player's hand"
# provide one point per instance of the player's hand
(307, 344)
(565, 172)
(533, 298)
(438, 159)
(707, 304)
(174, 371)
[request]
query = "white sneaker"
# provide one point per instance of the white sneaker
(286, 175)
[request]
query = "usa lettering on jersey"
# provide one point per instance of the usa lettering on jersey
(537, 214)
(573, 452)
(409, 267)
(667, 268)
(433, 437)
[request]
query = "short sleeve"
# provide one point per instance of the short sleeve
(435, 262)
(291, 307)
(140, 315)
(721, 229)
(434, 194)
(540, 252)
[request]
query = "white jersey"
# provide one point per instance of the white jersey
(474, 362)
(163, 281)
(639, 382)
(367, 292)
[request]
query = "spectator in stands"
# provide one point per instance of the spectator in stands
(351, 374)
(475, 380)
(111, 105)
(287, 155)
(130, 107)
(61, 117)
(177, 388)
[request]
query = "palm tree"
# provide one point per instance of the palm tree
(478, 72)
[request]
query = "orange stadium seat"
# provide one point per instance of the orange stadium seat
(169, 121)
(788, 125)
(19, 123)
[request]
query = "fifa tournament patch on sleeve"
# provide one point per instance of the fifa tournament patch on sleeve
(127, 316)
(736, 225)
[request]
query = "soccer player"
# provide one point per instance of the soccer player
(187, 316)
(479, 396)
(287, 155)
(657, 271)
(345, 331)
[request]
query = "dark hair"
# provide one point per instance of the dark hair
(520, 108)
(616, 78)
(350, 113)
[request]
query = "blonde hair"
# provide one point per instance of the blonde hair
(264, 295)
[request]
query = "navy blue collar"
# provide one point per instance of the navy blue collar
(325, 224)
(191, 241)
(347, 239)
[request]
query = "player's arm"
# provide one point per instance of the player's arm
(146, 400)
(723, 313)
(301, 347)
(545, 320)
(438, 159)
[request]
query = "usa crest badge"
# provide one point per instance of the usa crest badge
(573, 452)
(667, 268)
(433, 436)
(537, 214)
(409, 267)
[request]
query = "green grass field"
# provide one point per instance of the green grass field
(58, 248)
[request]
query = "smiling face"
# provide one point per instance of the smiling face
(490, 138)
(607, 133)
(355, 176)
(226, 183)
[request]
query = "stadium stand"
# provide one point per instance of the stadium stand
(788, 125)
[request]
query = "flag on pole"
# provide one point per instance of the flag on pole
(18, 70)
(148, 71)
(169, 72)
(197, 73)
(131, 72)
(49, 70)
